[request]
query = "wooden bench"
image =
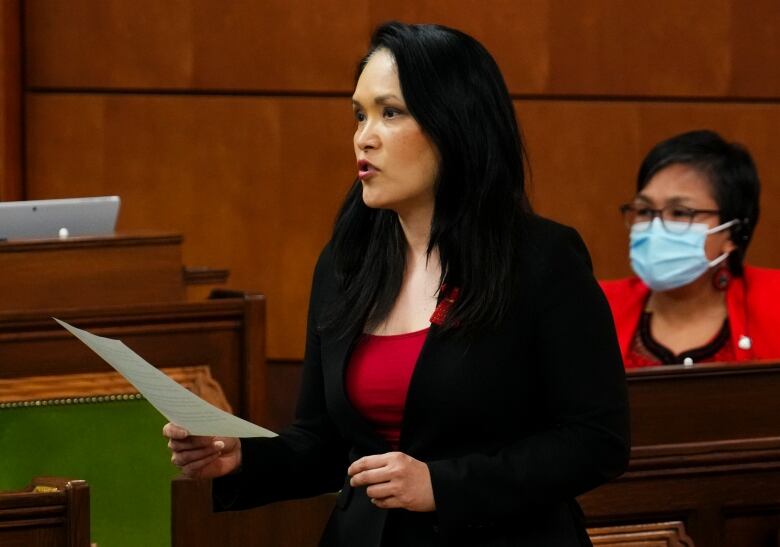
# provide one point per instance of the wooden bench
(49, 512)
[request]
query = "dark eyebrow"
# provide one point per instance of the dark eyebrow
(379, 99)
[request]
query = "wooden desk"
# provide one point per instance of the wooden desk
(706, 451)
(227, 335)
(91, 271)
(58, 517)
(133, 287)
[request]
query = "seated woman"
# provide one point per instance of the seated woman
(691, 221)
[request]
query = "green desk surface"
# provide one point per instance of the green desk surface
(116, 446)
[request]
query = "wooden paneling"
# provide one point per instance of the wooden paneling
(662, 534)
(516, 33)
(612, 47)
(226, 335)
(585, 155)
(50, 512)
(602, 47)
(296, 523)
(144, 43)
(253, 178)
(91, 271)
(703, 48)
(642, 48)
(756, 43)
(253, 183)
(750, 527)
(10, 102)
(308, 45)
(206, 44)
(703, 451)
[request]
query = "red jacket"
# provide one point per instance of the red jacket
(753, 303)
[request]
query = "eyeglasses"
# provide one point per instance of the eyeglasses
(674, 218)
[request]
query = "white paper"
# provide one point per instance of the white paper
(171, 399)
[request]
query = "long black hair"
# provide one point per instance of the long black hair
(454, 89)
(732, 175)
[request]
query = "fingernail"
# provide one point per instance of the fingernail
(219, 445)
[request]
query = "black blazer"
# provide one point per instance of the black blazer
(513, 424)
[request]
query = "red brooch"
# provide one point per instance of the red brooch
(441, 311)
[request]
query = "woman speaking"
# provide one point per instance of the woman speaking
(462, 381)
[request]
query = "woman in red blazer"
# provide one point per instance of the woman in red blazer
(462, 382)
(693, 300)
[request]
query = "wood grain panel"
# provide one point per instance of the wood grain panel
(612, 47)
(304, 45)
(516, 33)
(758, 526)
(706, 48)
(295, 523)
(585, 156)
(253, 183)
(662, 534)
(274, 44)
(90, 271)
(226, 335)
(11, 187)
(88, 43)
(663, 47)
(51, 511)
(756, 43)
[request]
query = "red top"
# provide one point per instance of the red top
(646, 351)
(751, 301)
(378, 377)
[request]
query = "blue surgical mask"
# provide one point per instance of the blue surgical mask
(667, 260)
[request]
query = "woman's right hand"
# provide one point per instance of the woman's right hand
(202, 457)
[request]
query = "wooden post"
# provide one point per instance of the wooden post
(11, 184)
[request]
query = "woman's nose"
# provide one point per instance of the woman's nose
(366, 137)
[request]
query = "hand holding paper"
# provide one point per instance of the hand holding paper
(172, 400)
(202, 457)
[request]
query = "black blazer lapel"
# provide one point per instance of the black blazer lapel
(335, 358)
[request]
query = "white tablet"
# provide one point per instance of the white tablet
(47, 218)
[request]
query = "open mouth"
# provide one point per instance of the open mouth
(365, 169)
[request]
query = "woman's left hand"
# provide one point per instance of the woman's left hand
(395, 481)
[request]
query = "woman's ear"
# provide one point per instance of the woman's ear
(728, 244)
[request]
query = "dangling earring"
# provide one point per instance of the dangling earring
(721, 279)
